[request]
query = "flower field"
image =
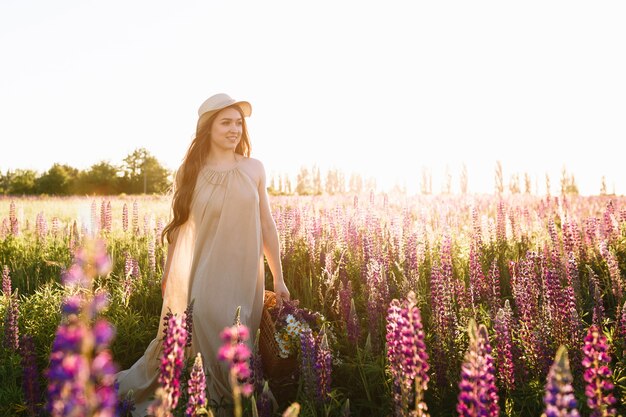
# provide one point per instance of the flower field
(436, 305)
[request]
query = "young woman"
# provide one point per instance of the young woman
(221, 228)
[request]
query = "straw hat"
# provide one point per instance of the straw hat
(220, 101)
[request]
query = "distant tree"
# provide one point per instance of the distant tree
(514, 186)
(22, 182)
(447, 184)
(463, 180)
(370, 184)
(331, 185)
(499, 177)
(317, 181)
(547, 184)
(288, 189)
(271, 188)
(568, 183)
(527, 183)
(101, 179)
(603, 189)
(304, 183)
(426, 183)
(355, 184)
(58, 180)
(144, 174)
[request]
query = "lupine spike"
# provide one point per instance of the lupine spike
(597, 374)
(172, 359)
(559, 397)
(478, 394)
(196, 388)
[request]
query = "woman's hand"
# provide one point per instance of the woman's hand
(282, 293)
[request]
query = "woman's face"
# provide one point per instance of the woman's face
(227, 129)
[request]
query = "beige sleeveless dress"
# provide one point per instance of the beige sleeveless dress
(217, 260)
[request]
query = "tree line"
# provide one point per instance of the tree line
(140, 172)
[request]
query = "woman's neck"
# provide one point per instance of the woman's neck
(219, 158)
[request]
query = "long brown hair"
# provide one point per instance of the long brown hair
(195, 158)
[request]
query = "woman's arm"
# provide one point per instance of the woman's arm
(271, 245)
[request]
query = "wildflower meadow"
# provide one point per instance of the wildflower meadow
(440, 305)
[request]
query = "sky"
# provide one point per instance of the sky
(384, 89)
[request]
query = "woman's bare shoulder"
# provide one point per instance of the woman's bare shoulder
(254, 164)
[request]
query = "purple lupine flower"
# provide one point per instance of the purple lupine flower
(478, 394)
(525, 288)
(196, 389)
(345, 294)
(614, 271)
(353, 329)
(308, 354)
(493, 286)
(559, 396)
(323, 367)
(147, 220)
(598, 305)
(406, 353)
(503, 326)
(4, 229)
(125, 217)
(30, 379)
(81, 372)
(377, 298)
(622, 322)
(103, 218)
(597, 374)
(126, 404)
(172, 359)
(6, 281)
(501, 222)
(189, 322)
(256, 366)
(108, 217)
(41, 226)
(11, 329)
(264, 402)
(15, 225)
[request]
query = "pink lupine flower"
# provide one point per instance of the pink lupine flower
(478, 394)
(173, 357)
(14, 223)
(41, 226)
(196, 389)
(597, 374)
(236, 354)
(406, 355)
(503, 328)
(125, 217)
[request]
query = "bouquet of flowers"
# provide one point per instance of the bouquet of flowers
(289, 321)
(279, 342)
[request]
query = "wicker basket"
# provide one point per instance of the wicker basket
(274, 367)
